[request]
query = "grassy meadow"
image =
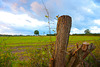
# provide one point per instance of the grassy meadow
(42, 40)
(35, 51)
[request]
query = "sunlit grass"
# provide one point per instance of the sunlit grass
(42, 40)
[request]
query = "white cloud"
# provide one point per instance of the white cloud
(76, 30)
(95, 29)
(88, 10)
(37, 8)
(22, 9)
(27, 12)
(14, 7)
(5, 29)
(82, 12)
(19, 21)
(94, 5)
(97, 21)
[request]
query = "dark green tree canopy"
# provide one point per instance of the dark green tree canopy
(87, 31)
(36, 32)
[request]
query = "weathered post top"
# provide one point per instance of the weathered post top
(65, 20)
(65, 17)
(63, 30)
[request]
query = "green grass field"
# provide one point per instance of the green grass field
(42, 40)
(35, 50)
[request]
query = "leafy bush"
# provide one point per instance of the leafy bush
(6, 59)
(40, 58)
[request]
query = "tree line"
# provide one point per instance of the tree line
(36, 33)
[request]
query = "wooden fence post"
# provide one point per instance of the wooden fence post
(63, 30)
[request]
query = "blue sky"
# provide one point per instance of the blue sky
(25, 16)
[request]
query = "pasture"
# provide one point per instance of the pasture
(36, 50)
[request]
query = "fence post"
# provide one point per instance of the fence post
(63, 30)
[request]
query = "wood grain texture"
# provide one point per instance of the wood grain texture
(63, 30)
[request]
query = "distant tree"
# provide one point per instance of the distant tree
(36, 32)
(87, 31)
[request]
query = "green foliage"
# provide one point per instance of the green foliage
(40, 58)
(89, 59)
(46, 16)
(96, 52)
(6, 58)
(36, 32)
(87, 31)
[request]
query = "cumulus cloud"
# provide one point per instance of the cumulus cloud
(70, 7)
(22, 21)
(22, 9)
(40, 10)
(84, 13)
(37, 8)
(14, 7)
(5, 29)
(95, 29)
(26, 12)
(76, 30)
(97, 21)
(88, 10)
